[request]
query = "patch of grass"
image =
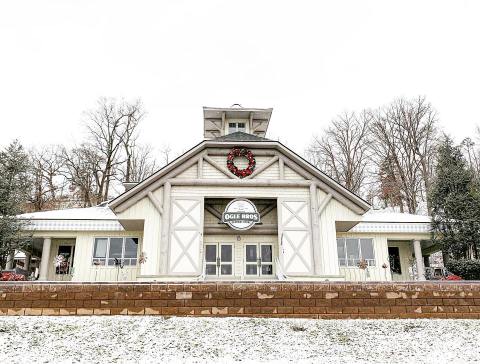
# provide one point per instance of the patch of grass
(343, 338)
(298, 328)
(7, 328)
(410, 327)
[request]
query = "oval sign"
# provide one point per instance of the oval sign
(241, 214)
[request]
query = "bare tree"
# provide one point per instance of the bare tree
(141, 164)
(406, 136)
(83, 172)
(48, 183)
(111, 126)
(343, 152)
(166, 151)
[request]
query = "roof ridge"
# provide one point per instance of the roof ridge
(241, 136)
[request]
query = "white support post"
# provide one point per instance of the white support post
(10, 259)
(165, 228)
(47, 243)
(315, 229)
(417, 248)
(28, 257)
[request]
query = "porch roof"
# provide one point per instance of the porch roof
(97, 218)
(387, 221)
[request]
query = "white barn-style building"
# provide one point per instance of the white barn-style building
(195, 219)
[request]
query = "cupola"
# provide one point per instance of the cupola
(223, 121)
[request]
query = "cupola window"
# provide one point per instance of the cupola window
(234, 127)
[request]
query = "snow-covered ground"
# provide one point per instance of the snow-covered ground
(157, 339)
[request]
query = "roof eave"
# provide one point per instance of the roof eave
(358, 201)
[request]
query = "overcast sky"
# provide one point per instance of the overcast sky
(307, 60)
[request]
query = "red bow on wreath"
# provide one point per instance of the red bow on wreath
(241, 152)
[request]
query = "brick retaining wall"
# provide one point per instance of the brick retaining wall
(266, 299)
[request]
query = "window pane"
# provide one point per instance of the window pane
(210, 253)
(232, 128)
(341, 252)
(367, 249)
(115, 250)
(266, 253)
(210, 269)
(251, 253)
(100, 250)
(241, 127)
(353, 253)
(131, 261)
(267, 269)
(131, 247)
(226, 253)
(226, 269)
(251, 269)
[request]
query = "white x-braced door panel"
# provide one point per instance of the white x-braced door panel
(295, 236)
(186, 227)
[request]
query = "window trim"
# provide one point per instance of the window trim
(370, 262)
(107, 253)
(237, 128)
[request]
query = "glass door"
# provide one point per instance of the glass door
(218, 259)
(258, 259)
(226, 259)
(211, 259)
(251, 260)
(266, 261)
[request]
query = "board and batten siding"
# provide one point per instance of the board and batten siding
(86, 271)
(381, 242)
(145, 210)
(406, 258)
(83, 269)
(240, 191)
(376, 273)
(334, 211)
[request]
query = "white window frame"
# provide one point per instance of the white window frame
(370, 262)
(236, 128)
(262, 263)
(123, 259)
(219, 268)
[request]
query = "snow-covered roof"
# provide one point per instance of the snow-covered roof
(87, 213)
(388, 221)
(389, 216)
(97, 218)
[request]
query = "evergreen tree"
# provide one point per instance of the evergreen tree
(455, 202)
(14, 189)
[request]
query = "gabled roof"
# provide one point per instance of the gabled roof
(240, 136)
(338, 191)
